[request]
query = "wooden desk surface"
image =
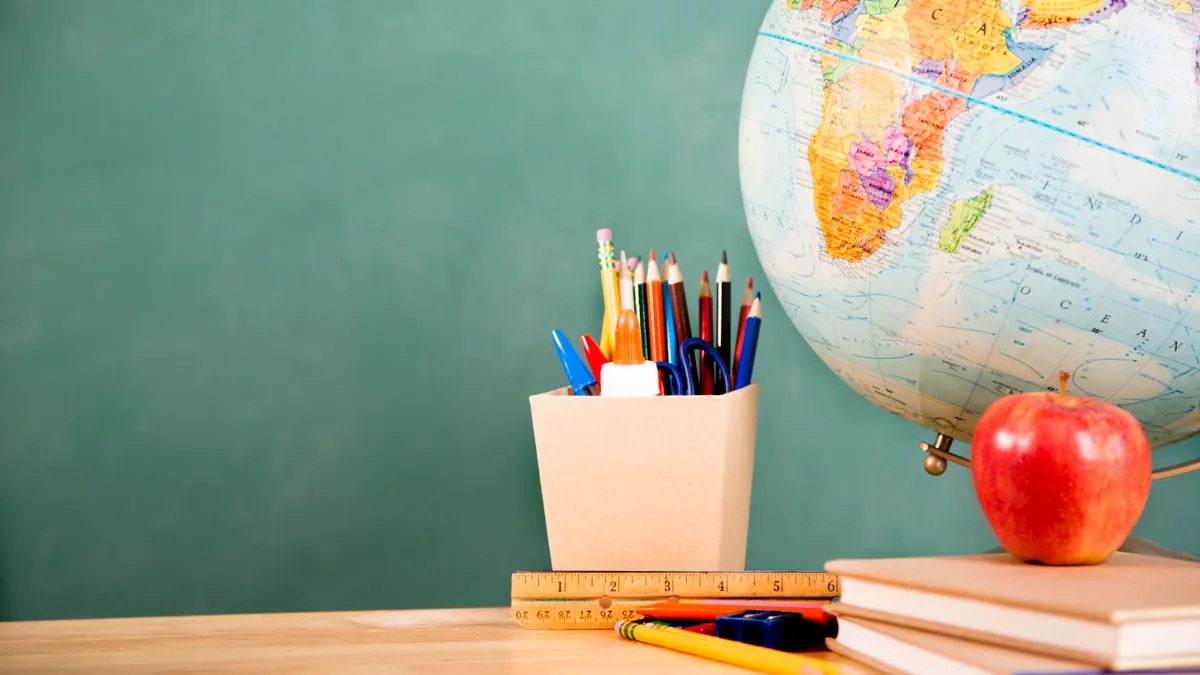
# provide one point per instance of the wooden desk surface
(441, 642)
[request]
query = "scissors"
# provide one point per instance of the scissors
(683, 378)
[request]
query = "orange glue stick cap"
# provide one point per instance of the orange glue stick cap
(628, 348)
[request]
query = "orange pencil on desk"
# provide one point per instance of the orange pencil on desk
(706, 334)
(747, 300)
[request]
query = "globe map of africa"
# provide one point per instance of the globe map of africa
(954, 201)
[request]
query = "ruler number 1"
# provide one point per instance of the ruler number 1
(560, 588)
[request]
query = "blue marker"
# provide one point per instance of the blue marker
(745, 366)
(578, 375)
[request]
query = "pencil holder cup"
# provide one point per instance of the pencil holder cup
(656, 483)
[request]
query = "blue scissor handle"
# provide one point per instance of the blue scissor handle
(676, 380)
(684, 361)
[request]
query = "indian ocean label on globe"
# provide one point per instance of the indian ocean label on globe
(954, 201)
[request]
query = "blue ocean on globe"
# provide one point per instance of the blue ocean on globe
(957, 201)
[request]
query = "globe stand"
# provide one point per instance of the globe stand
(938, 457)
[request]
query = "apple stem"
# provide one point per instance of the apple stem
(1062, 384)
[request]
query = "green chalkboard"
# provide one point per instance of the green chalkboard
(278, 276)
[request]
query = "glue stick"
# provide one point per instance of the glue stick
(628, 373)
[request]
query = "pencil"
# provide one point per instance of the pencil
(747, 299)
(749, 656)
(750, 346)
(679, 306)
(724, 339)
(608, 287)
(654, 311)
(706, 308)
(625, 283)
(669, 315)
(709, 610)
(639, 301)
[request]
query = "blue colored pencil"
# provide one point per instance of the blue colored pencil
(749, 344)
(669, 319)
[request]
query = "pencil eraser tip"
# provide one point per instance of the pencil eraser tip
(604, 235)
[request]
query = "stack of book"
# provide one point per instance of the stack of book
(992, 614)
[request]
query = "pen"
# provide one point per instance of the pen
(578, 376)
(595, 357)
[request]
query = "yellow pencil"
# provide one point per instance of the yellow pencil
(608, 286)
(726, 651)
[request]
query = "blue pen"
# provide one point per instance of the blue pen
(750, 343)
(578, 375)
(669, 319)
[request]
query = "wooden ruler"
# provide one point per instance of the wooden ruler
(597, 600)
(590, 614)
(664, 585)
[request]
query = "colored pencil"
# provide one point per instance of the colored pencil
(706, 371)
(747, 299)
(679, 307)
(625, 284)
(707, 610)
(654, 311)
(724, 338)
(608, 287)
(750, 656)
(750, 345)
(669, 316)
(639, 302)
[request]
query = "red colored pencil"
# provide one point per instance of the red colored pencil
(707, 370)
(747, 300)
(709, 611)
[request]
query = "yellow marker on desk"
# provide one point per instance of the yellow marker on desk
(726, 651)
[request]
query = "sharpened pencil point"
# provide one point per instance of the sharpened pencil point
(673, 258)
(723, 258)
(704, 276)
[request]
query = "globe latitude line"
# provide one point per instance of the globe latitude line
(978, 101)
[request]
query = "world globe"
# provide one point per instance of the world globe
(958, 201)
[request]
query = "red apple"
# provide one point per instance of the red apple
(1061, 479)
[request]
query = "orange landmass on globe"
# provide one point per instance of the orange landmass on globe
(1056, 13)
(880, 141)
(933, 23)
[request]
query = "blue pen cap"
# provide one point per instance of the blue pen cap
(578, 375)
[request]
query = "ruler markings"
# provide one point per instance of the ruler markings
(592, 585)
